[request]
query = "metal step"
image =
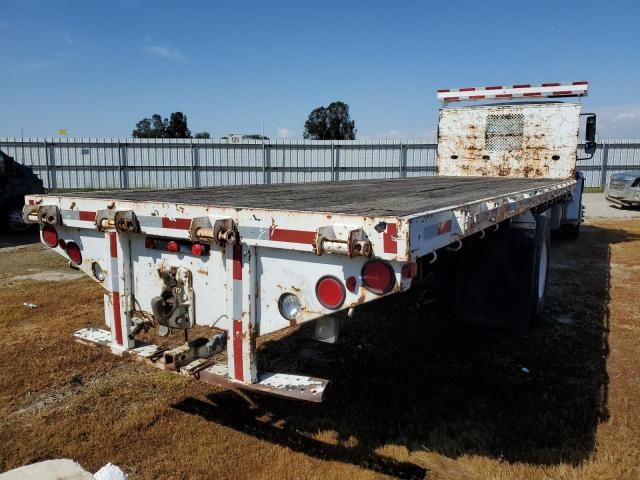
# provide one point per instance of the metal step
(299, 387)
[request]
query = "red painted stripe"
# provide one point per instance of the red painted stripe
(444, 90)
(563, 92)
(522, 86)
(532, 94)
(113, 246)
(238, 364)
(550, 84)
(293, 236)
(117, 320)
(87, 216)
(237, 262)
(468, 89)
(476, 97)
(582, 82)
(444, 227)
(452, 98)
(177, 223)
(390, 245)
(493, 88)
(504, 95)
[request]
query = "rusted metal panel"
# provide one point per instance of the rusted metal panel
(523, 140)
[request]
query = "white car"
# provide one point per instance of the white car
(624, 189)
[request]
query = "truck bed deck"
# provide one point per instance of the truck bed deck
(386, 197)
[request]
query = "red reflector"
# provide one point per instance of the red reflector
(49, 236)
(409, 270)
(352, 284)
(62, 244)
(330, 292)
(149, 243)
(73, 250)
(173, 246)
(197, 249)
(378, 276)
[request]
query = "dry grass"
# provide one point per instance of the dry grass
(412, 396)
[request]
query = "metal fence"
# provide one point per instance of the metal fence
(106, 163)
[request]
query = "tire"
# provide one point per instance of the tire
(501, 280)
(540, 267)
(12, 219)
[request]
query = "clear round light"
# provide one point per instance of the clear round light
(289, 306)
(97, 271)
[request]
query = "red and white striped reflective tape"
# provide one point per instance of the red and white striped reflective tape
(554, 89)
(115, 287)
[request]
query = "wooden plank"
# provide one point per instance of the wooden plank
(385, 197)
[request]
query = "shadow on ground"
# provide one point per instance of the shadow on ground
(405, 374)
(17, 240)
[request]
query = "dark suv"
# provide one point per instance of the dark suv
(16, 181)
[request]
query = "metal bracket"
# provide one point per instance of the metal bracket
(126, 221)
(222, 231)
(200, 347)
(42, 214)
(354, 243)
(121, 221)
(524, 221)
(105, 220)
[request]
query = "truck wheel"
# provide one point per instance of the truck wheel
(501, 280)
(540, 266)
(13, 219)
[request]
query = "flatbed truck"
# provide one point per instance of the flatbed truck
(251, 260)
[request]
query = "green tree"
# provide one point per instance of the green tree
(158, 127)
(202, 135)
(177, 127)
(255, 136)
(330, 123)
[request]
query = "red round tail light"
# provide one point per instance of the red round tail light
(378, 276)
(75, 255)
(352, 284)
(173, 246)
(197, 249)
(50, 236)
(330, 292)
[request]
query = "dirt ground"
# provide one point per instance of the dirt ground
(413, 396)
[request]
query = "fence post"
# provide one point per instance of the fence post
(401, 160)
(267, 163)
(603, 166)
(46, 164)
(195, 163)
(51, 164)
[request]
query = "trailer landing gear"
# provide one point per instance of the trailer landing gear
(184, 360)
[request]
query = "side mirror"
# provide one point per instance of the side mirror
(590, 130)
(589, 148)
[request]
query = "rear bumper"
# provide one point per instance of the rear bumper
(622, 201)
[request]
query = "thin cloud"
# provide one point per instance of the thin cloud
(162, 51)
(41, 65)
(67, 38)
(618, 121)
(626, 116)
(284, 132)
